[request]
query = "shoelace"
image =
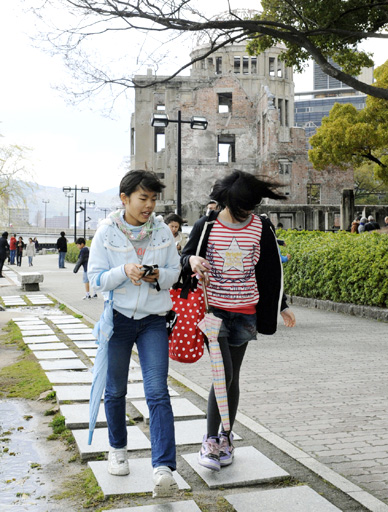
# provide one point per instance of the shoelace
(213, 448)
(119, 457)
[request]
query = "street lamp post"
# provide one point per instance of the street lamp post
(45, 201)
(83, 209)
(85, 190)
(196, 123)
(69, 196)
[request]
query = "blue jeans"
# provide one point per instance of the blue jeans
(150, 336)
(12, 256)
(61, 260)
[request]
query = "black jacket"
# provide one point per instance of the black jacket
(62, 244)
(4, 247)
(268, 271)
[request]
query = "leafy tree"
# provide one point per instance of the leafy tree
(369, 189)
(14, 173)
(350, 137)
(318, 29)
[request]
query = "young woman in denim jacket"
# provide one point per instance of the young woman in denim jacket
(126, 241)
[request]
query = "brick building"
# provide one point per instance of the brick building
(249, 105)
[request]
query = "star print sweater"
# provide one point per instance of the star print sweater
(233, 251)
(267, 267)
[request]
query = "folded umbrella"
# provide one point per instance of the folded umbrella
(210, 325)
(103, 331)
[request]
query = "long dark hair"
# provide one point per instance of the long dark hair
(241, 192)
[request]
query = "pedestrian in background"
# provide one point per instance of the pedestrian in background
(62, 250)
(20, 246)
(36, 244)
(4, 249)
(30, 251)
(175, 222)
(12, 249)
(361, 227)
(83, 259)
(371, 225)
(123, 245)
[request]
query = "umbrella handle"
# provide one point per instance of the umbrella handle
(203, 283)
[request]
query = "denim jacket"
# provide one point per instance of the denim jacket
(111, 250)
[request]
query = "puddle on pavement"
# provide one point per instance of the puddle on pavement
(21, 488)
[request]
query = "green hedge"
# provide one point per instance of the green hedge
(341, 267)
(73, 251)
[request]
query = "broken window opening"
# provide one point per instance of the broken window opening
(237, 64)
(218, 65)
(160, 139)
(253, 65)
(286, 113)
(133, 141)
(245, 65)
(160, 107)
(226, 148)
(313, 193)
(210, 63)
(224, 102)
(280, 111)
(272, 66)
(280, 69)
(285, 167)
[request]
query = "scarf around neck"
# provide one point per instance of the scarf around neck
(145, 229)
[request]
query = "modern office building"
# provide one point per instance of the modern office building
(312, 106)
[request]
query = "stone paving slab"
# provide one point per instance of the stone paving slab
(69, 377)
(135, 375)
(41, 339)
(137, 440)
(192, 432)
(47, 346)
(81, 337)
(289, 499)
(54, 354)
(174, 506)
(37, 332)
(24, 323)
(138, 481)
(65, 321)
(65, 364)
(86, 344)
(26, 318)
(41, 327)
(9, 303)
(53, 317)
(77, 416)
(250, 467)
(78, 330)
(182, 408)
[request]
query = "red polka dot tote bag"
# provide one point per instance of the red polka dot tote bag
(186, 341)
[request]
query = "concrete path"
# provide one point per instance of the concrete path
(322, 386)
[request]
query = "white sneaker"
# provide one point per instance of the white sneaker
(86, 297)
(165, 484)
(118, 462)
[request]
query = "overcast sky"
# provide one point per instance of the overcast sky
(72, 145)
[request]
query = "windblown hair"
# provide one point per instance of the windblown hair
(242, 192)
(146, 180)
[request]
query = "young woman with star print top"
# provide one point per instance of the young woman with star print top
(239, 259)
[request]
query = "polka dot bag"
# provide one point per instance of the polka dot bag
(186, 341)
